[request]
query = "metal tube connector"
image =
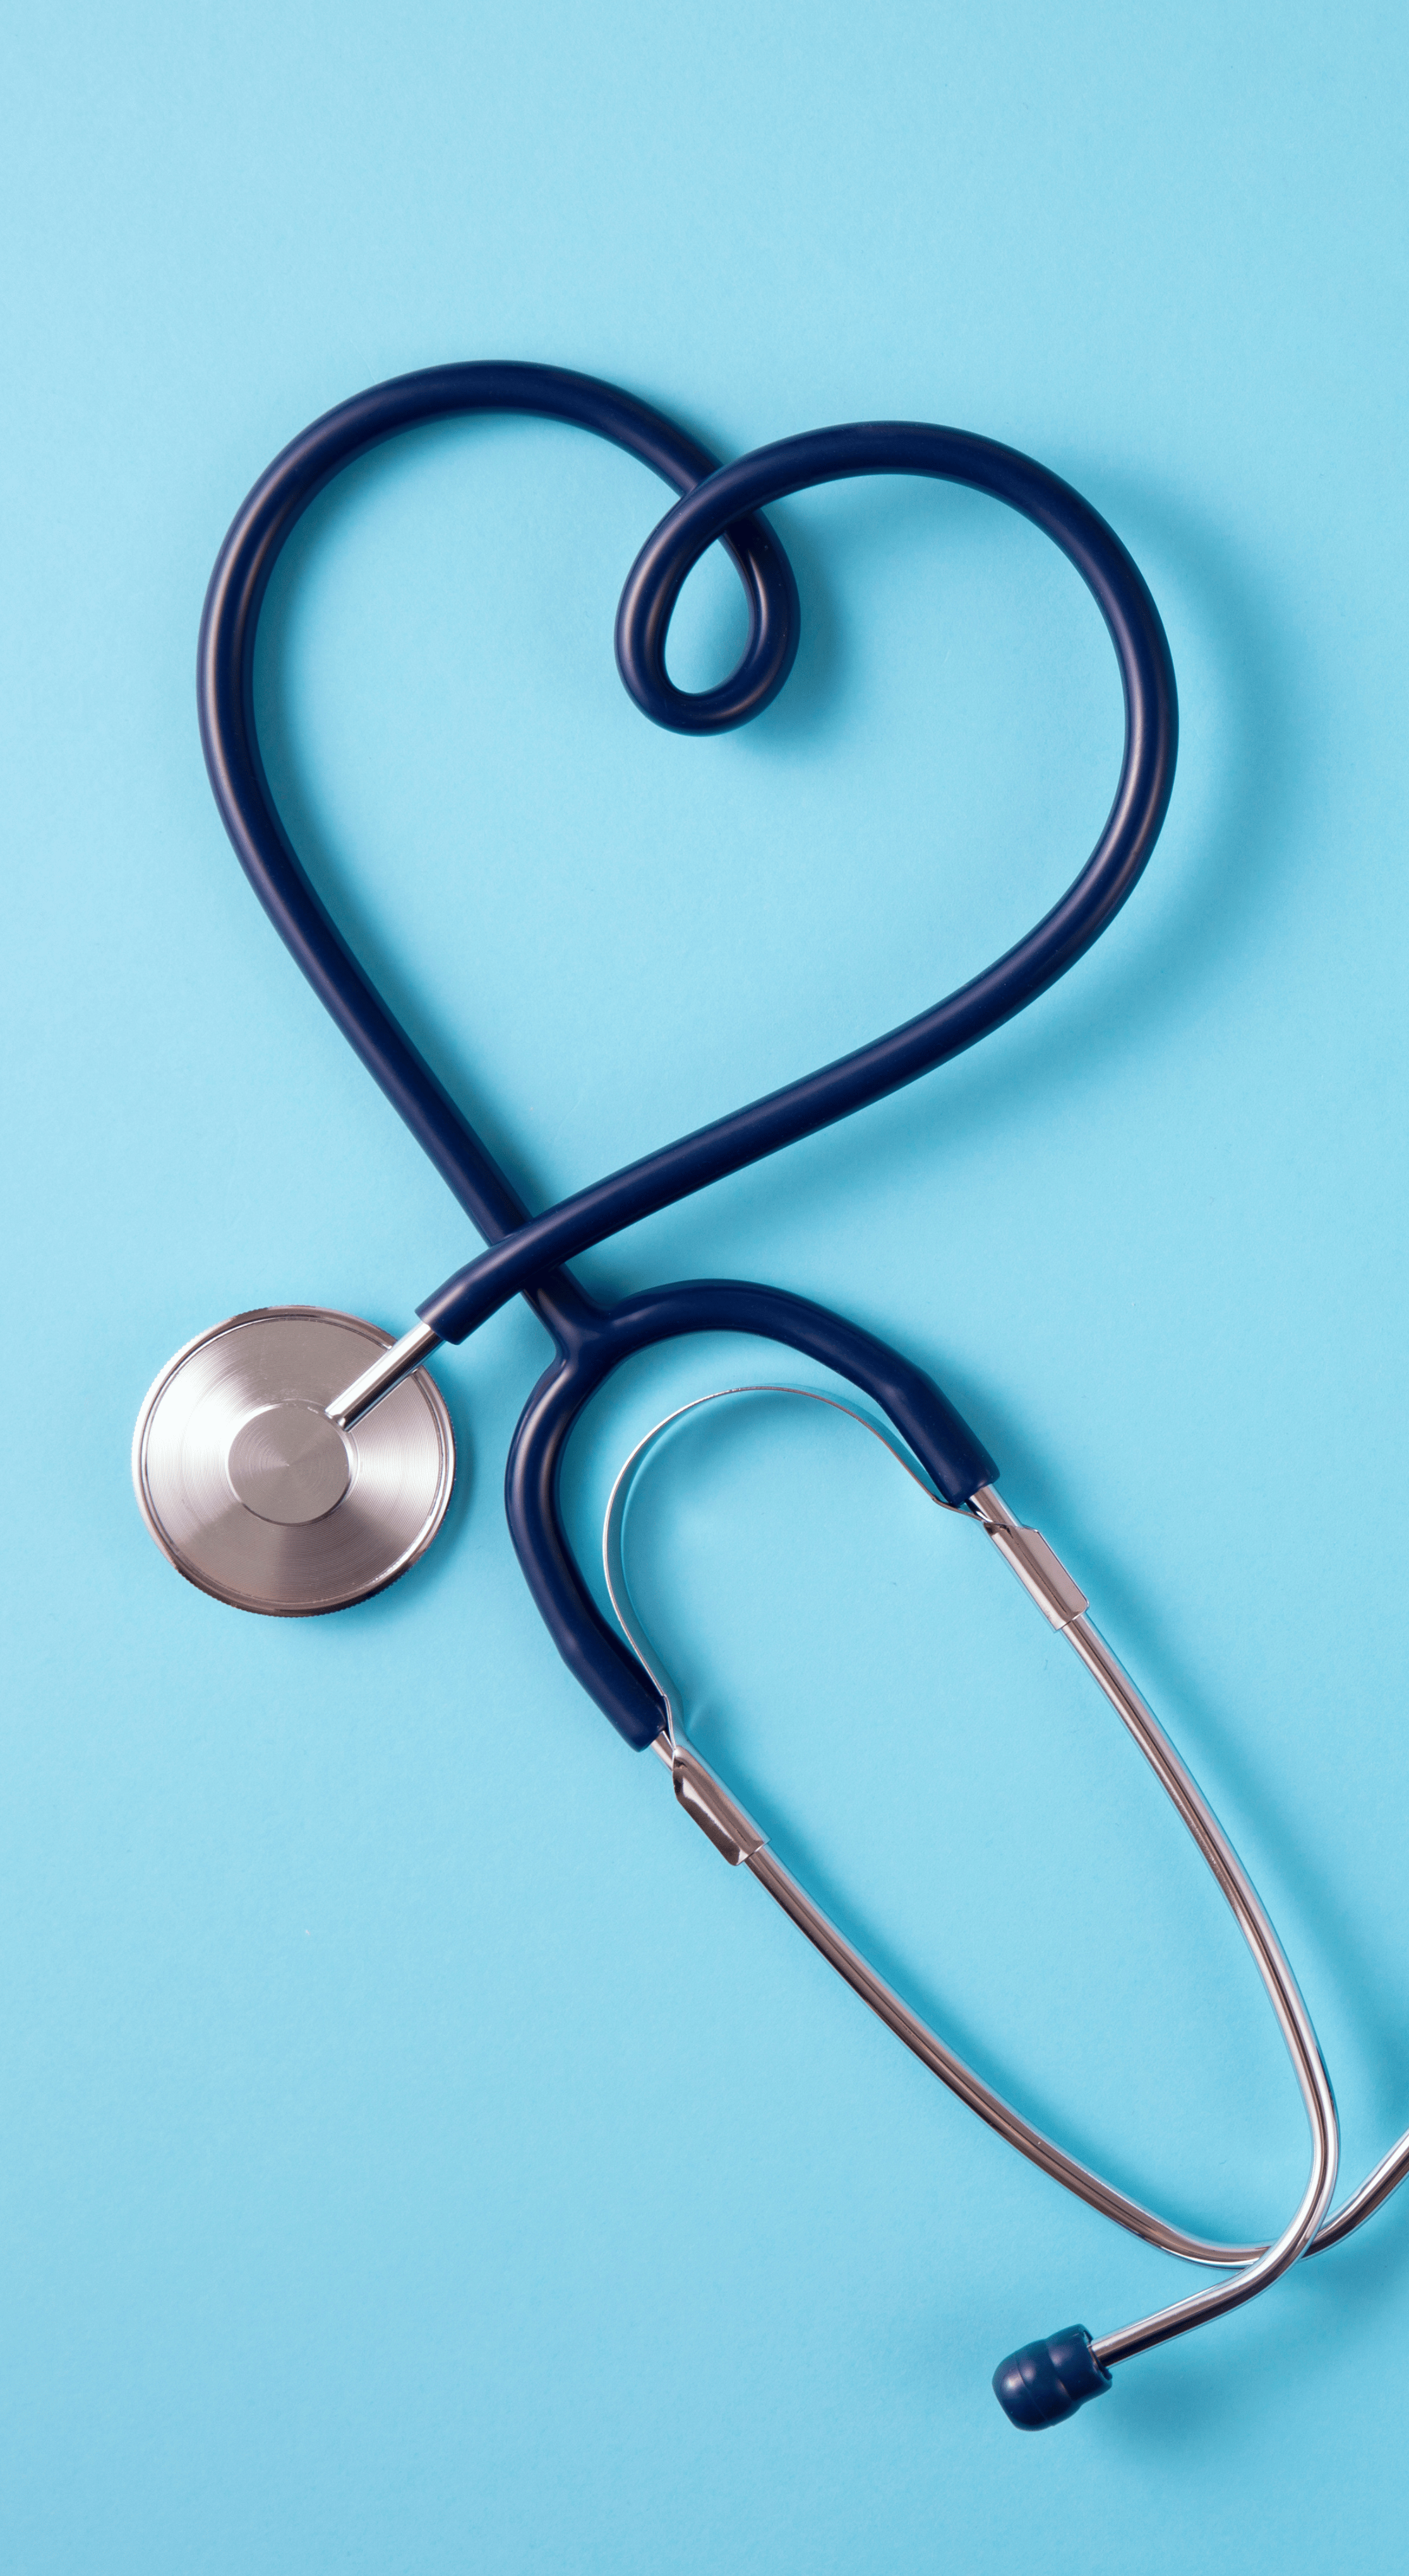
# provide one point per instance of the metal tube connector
(395, 1363)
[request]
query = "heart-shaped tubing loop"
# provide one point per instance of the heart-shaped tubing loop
(1015, 979)
(225, 674)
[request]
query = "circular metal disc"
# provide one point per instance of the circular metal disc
(255, 1496)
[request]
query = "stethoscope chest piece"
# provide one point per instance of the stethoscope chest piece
(257, 1496)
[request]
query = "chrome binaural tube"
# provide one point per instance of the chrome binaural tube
(1269, 1958)
(1252, 2267)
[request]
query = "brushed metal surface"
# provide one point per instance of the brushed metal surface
(255, 1496)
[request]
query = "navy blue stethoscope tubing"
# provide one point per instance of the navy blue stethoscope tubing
(230, 740)
(868, 1074)
(527, 1253)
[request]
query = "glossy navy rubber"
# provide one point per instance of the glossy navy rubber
(946, 1448)
(527, 1254)
(1054, 944)
(225, 696)
(1044, 2383)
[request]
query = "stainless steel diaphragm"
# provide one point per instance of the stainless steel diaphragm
(256, 1496)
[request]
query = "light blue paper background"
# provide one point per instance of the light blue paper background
(416, 2153)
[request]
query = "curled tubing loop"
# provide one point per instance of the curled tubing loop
(719, 503)
(1015, 979)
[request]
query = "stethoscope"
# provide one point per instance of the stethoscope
(294, 1460)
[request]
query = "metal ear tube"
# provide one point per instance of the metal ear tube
(1045, 2381)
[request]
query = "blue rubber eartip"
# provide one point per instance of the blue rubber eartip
(1046, 2382)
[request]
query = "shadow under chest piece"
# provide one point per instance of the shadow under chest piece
(294, 1460)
